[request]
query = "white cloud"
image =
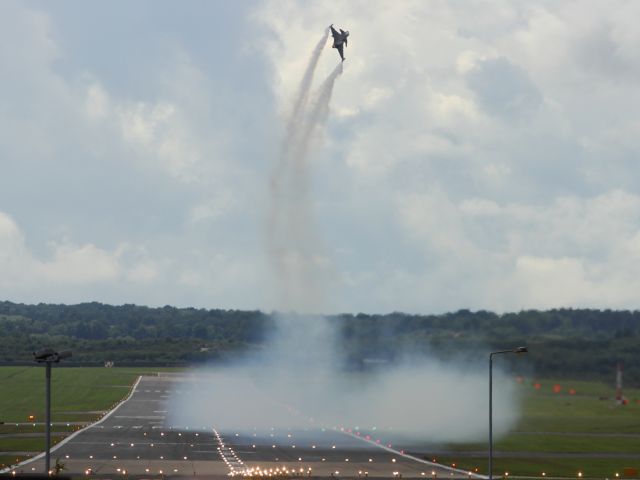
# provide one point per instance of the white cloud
(97, 102)
(574, 252)
(501, 136)
(212, 209)
(67, 264)
(478, 153)
(10, 236)
(77, 264)
(160, 137)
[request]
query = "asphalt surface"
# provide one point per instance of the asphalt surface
(135, 440)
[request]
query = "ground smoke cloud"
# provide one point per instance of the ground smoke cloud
(300, 379)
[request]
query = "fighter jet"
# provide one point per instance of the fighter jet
(339, 38)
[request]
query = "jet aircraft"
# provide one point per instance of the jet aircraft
(339, 39)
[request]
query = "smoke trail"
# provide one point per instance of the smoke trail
(318, 114)
(293, 243)
(307, 80)
(291, 132)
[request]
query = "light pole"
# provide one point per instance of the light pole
(48, 356)
(514, 350)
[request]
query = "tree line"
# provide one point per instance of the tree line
(578, 343)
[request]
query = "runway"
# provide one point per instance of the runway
(135, 439)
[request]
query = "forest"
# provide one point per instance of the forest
(576, 343)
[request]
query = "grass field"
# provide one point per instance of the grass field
(78, 396)
(74, 391)
(562, 434)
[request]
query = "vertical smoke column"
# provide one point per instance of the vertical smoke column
(305, 86)
(305, 260)
(317, 115)
(294, 248)
(302, 345)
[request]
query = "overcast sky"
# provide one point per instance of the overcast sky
(477, 154)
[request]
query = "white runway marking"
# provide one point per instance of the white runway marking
(142, 417)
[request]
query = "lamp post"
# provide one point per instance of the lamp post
(514, 350)
(49, 356)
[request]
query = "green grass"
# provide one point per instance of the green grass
(74, 392)
(575, 428)
(11, 460)
(26, 444)
(12, 428)
(558, 444)
(553, 467)
(591, 410)
(77, 395)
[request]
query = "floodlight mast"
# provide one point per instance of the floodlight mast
(513, 350)
(49, 356)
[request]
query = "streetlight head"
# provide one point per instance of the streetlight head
(49, 355)
(521, 350)
(64, 354)
(44, 354)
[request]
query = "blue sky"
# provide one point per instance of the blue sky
(477, 154)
